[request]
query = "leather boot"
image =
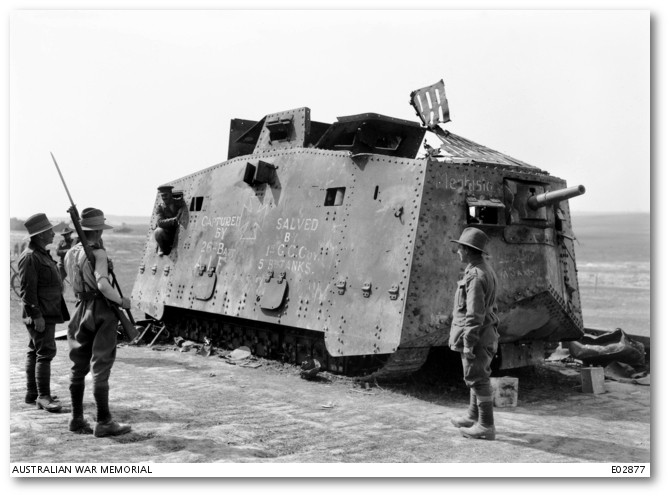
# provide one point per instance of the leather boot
(101, 396)
(484, 428)
(106, 427)
(31, 384)
(77, 399)
(43, 379)
(471, 416)
(49, 404)
(110, 429)
(80, 425)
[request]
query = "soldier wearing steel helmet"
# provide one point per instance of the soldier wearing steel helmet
(474, 333)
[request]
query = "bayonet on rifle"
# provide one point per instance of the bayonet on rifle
(127, 322)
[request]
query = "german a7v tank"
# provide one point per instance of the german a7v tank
(332, 242)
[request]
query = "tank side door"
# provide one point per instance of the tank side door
(377, 234)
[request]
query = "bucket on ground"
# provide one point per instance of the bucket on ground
(593, 380)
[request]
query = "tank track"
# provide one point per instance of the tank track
(278, 343)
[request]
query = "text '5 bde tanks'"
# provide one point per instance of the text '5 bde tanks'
(332, 242)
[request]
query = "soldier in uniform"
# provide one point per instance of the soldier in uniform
(168, 214)
(63, 246)
(43, 307)
(474, 333)
(92, 330)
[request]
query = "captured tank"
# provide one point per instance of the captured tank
(332, 242)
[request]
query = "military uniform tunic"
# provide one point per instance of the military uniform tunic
(41, 286)
(167, 223)
(166, 214)
(92, 330)
(41, 297)
(63, 246)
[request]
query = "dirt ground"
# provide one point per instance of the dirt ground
(188, 408)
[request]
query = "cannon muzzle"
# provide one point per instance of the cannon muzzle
(537, 201)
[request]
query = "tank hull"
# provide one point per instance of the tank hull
(350, 250)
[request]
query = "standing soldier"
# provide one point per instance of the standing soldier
(43, 307)
(168, 214)
(63, 246)
(92, 330)
(474, 333)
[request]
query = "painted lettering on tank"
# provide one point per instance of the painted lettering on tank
(304, 267)
(297, 224)
(218, 248)
(292, 252)
(513, 273)
(249, 230)
(221, 221)
(467, 182)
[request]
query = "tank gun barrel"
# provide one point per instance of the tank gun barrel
(537, 201)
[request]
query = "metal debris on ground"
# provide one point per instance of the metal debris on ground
(600, 350)
(309, 369)
(160, 348)
(359, 390)
(624, 373)
(327, 405)
(206, 349)
(378, 387)
(239, 354)
(560, 354)
(250, 364)
(186, 346)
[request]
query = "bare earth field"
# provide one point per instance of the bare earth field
(192, 409)
(613, 257)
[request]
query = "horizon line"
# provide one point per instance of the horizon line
(580, 213)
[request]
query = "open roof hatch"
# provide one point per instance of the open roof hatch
(432, 107)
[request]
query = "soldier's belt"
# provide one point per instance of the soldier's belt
(85, 296)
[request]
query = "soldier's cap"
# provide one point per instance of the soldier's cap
(93, 219)
(36, 224)
(473, 238)
(66, 231)
(165, 188)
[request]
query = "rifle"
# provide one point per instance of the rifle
(127, 322)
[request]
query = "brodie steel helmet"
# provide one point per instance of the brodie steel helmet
(473, 238)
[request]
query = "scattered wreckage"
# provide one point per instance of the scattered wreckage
(330, 242)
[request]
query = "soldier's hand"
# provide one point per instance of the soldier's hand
(125, 303)
(39, 324)
(468, 353)
(110, 266)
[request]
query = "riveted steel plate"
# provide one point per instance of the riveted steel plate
(273, 295)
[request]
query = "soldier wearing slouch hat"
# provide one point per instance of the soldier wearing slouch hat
(92, 330)
(43, 307)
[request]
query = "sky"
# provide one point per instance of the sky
(127, 100)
